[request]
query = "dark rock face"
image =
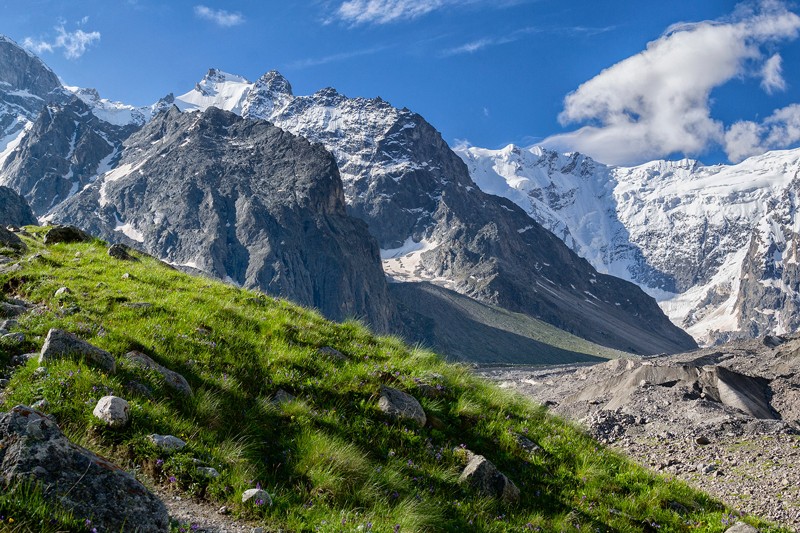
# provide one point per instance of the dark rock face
(66, 147)
(66, 234)
(243, 201)
(14, 210)
(32, 448)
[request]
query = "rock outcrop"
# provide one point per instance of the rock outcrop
(14, 210)
(33, 449)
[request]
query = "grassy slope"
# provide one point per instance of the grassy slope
(330, 459)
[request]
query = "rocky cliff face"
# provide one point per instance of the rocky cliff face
(714, 244)
(434, 224)
(63, 150)
(14, 210)
(243, 201)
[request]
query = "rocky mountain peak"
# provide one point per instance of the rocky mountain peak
(274, 82)
(24, 72)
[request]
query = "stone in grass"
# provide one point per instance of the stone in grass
(9, 324)
(281, 397)
(9, 240)
(121, 252)
(9, 310)
(66, 234)
(113, 411)
(333, 353)
(484, 477)
(167, 442)
(401, 405)
(256, 497)
(13, 338)
(741, 527)
(35, 451)
(62, 292)
(60, 344)
(171, 378)
(207, 471)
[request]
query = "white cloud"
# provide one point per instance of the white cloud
(772, 75)
(220, 17)
(779, 130)
(358, 12)
(74, 44)
(469, 48)
(657, 102)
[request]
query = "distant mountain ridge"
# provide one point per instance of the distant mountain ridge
(715, 244)
(398, 175)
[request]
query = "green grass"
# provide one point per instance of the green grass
(330, 459)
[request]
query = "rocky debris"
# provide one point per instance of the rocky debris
(113, 411)
(32, 448)
(121, 252)
(10, 240)
(401, 405)
(256, 497)
(61, 343)
(14, 210)
(172, 379)
(65, 234)
(484, 477)
(167, 442)
(333, 353)
(725, 419)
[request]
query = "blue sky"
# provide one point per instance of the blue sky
(623, 80)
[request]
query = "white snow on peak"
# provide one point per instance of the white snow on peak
(218, 89)
(678, 229)
(115, 113)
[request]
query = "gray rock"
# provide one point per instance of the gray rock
(484, 477)
(172, 379)
(207, 471)
(14, 210)
(63, 291)
(254, 496)
(113, 411)
(40, 372)
(167, 442)
(282, 397)
(61, 343)
(65, 234)
(41, 405)
(741, 527)
(33, 449)
(13, 338)
(9, 324)
(401, 405)
(8, 310)
(333, 353)
(10, 240)
(121, 252)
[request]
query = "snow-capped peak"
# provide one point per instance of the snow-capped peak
(274, 82)
(112, 112)
(217, 89)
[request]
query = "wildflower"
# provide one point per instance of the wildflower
(159, 462)
(397, 528)
(172, 479)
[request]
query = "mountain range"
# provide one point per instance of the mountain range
(223, 180)
(715, 245)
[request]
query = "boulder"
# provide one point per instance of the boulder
(167, 442)
(333, 353)
(10, 240)
(282, 397)
(33, 449)
(741, 527)
(121, 252)
(171, 378)
(256, 497)
(113, 411)
(63, 291)
(401, 405)
(61, 343)
(65, 234)
(484, 477)
(207, 471)
(8, 310)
